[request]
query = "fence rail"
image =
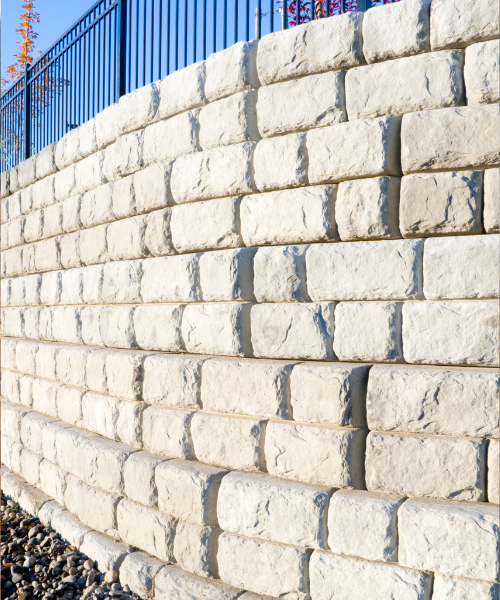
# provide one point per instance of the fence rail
(120, 45)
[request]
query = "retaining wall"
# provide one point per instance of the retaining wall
(250, 318)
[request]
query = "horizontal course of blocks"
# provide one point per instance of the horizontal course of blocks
(250, 318)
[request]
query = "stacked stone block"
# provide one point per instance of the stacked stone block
(250, 318)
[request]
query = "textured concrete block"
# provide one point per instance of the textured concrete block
(69, 527)
(225, 171)
(33, 228)
(317, 47)
(217, 328)
(227, 275)
(12, 422)
(27, 398)
(395, 31)
(171, 138)
(368, 331)
(93, 245)
(188, 490)
(123, 197)
(52, 220)
(139, 478)
(52, 481)
(71, 364)
(69, 405)
(107, 125)
(444, 275)
(239, 443)
(195, 548)
(107, 554)
(229, 121)
(66, 325)
(482, 63)
(450, 138)
(50, 288)
(406, 85)
(456, 24)
(138, 571)
(64, 183)
(90, 172)
(129, 423)
(45, 361)
(124, 373)
(172, 581)
(280, 162)
(172, 380)
(368, 209)
(121, 282)
(18, 289)
(456, 588)
(138, 108)
(166, 432)
(182, 90)
(67, 150)
(263, 567)
(441, 203)
(124, 157)
(125, 238)
(493, 471)
(289, 216)
(158, 237)
(294, 513)
(146, 528)
(171, 279)
(320, 455)
(48, 255)
(152, 187)
(433, 401)
(91, 325)
(363, 524)
(491, 210)
(96, 370)
(352, 579)
(12, 322)
(280, 274)
(159, 327)
(232, 70)
(99, 415)
(301, 104)
(25, 356)
(365, 148)
(455, 539)
(97, 206)
(435, 467)
(26, 172)
(352, 271)
(116, 326)
(70, 251)
(454, 333)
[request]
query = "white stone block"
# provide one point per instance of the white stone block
(449, 468)
(32, 289)
(92, 277)
(30, 467)
(368, 209)
(66, 325)
(69, 527)
(90, 172)
(217, 328)
(441, 203)
(363, 524)
(365, 148)
(97, 206)
(50, 288)
(48, 255)
(227, 275)
(368, 331)
(12, 322)
(232, 70)
(70, 250)
(25, 356)
(239, 443)
(166, 432)
(71, 362)
(493, 471)
(139, 478)
(444, 275)
(117, 328)
(67, 151)
(138, 571)
(129, 423)
(433, 401)
(353, 579)
(107, 554)
(71, 286)
(52, 481)
(158, 238)
(172, 582)
(166, 140)
(18, 291)
(26, 172)
(91, 325)
(280, 274)
(321, 455)
(182, 90)
(172, 380)
(45, 164)
(454, 333)
(69, 405)
(152, 187)
(456, 588)
(293, 514)
(159, 327)
(280, 162)
(171, 279)
(93, 245)
(195, 548)
(87, 137)
(12, 423)
(450, 138)
(123, 197)
(71, 214)
(99, 415)
(124, 373)
(456, 539)
(215, 173)
(188, 490)
(314, 48)
(33, 227)
(125, 238)
(138, 108)
(482, 63)
(491, 210)
(124, 157)
(27, 398)
(229, 121)
(121, 282)
(456, 24)
(263, 567)
(52, 220)
(146, 528)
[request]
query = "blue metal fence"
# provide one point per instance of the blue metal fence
(120, 45)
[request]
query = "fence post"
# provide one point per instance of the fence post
(364, 5)
(27, 112)
(121, 49)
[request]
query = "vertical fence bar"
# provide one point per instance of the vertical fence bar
(185, 32)
(144, 43)
(259, 19)
(176, 34)
(160, 30)
(235, 21)
(195, 28)
(121, 48)
(224, 26)
(152, 38)
(271, 11)
(215, 25)
(27, 112)
(168, 37)
(204, 29)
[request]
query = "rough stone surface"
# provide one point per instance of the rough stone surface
(491, 210)
(151, 186)
(171, 279)
(171, 138)
(159, 327)
(263, 567)
(368, 331)
(289, 216)
(227, 275)
(444, 275)
(455, 539)
(426, 466)
(138, 108)
(352, 579)
(448, 138)
(441, 203)
(125, 239)
(121, 282)
(314, 48)
(493, 471)
(268, 508)
(182, 90)
(138, 571)
(195, 548)
(394, 31)
(165, 432)
(280, 274)
(433, 401)
(482, 63)
(456, 588)
(280, 162)
(172, 582)
(453, 333)
(232, 70)
(293, 330)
